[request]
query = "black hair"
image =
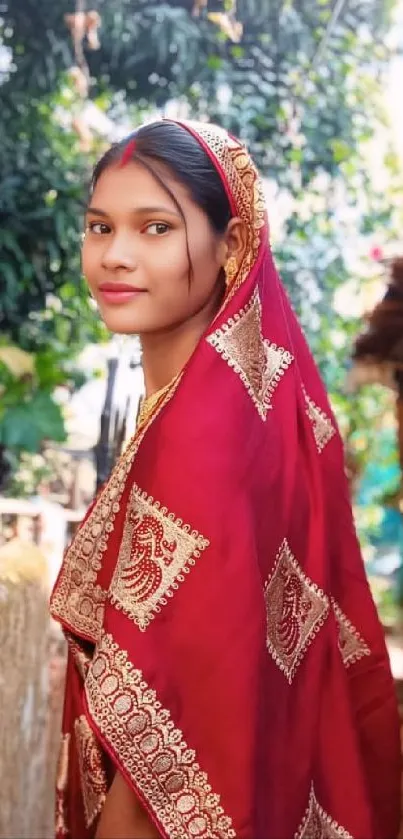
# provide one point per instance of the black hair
(173, 146)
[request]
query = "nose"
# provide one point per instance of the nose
(120, 253)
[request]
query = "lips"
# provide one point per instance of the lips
(116, 287)
(117, 293)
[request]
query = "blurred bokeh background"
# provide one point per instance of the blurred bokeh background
(314, 87)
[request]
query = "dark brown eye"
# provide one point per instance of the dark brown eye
(98, 227)
(157, 228)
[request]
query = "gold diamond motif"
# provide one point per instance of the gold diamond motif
(296, 609)
(317, 824)
(322, 427)
(351, 645)
(259, 363)
(157, 550)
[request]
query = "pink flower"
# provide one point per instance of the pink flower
(376, 253)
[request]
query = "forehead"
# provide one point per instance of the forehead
(132, 186)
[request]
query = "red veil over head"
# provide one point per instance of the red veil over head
(224, 650)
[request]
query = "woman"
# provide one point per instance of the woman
(227, 673)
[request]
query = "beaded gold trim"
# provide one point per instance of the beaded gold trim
(94, 786)
(150, 750)
(296, 609)
(81, 658)
(149, 404)
(351, 645)
(259, 364)
(317, 824)
(323, 429)
(61, 786)
(157, 551)
(77, 599)
(245, 186)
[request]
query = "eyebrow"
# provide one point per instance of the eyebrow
(135, 211)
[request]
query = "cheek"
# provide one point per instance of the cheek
(166, 267)
(205, 263)
(169, 255)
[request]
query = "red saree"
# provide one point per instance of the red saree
(224, 650)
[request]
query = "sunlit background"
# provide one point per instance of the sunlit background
(315, 89)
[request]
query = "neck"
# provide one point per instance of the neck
(165, 353)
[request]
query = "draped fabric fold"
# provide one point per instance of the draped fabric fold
(225, 653)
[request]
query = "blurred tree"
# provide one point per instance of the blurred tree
(298, 85)
(296, 65)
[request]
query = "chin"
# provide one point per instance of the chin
(134, 323)
(120, 322)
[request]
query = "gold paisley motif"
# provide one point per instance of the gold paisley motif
(151, 750)
(157, 550)
(77, 599)
(94, 786)
(259, 364)
(323, 429)
(317, 824)
(351, 645)
(296, 608)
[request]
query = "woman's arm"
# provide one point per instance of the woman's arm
(123, 817)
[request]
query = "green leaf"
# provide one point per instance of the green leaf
(214, 62)
(28, 425)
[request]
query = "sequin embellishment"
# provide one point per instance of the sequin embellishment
(151, 750)
(259, 363)
(78, 600)
(156, 553)
(94, 785)
(296, 609)
(245, 186)
(317, 824)
(322, 427)
(351, 645)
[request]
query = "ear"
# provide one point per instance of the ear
(234, 241)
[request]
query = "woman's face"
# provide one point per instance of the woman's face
(135, 255)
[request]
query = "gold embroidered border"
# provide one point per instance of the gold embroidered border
(259, 363)
(296, 609)
(77, 598)
(245, 186)
(94, 786)
(317, 824)
(82, 659)
(157, 550)
(323, 429)
(351, 645)
(152, 752)
(61, 786)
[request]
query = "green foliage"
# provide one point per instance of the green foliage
(29, 415)
(30, 421)
(42, 190)
(304, 111)
(154, 52)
